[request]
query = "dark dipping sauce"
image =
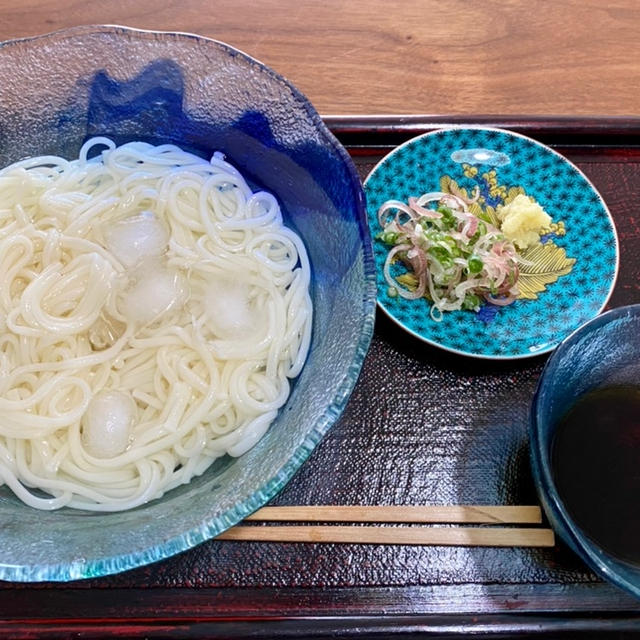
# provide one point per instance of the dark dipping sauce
(595, 460)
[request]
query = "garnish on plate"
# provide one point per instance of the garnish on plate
(461, 252)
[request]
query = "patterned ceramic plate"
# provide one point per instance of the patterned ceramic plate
(567, 278)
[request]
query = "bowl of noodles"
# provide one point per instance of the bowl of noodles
(188, 294)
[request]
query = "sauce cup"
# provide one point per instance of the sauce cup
(602, 353)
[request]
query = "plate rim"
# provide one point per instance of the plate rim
(483, 356)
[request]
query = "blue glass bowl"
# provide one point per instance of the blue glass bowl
(603, 352)
(60, 89)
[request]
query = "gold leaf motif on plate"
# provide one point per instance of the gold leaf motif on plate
(542, 265)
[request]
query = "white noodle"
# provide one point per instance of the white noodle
(71, 335)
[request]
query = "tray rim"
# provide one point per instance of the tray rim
(188, 611)
(562, 126)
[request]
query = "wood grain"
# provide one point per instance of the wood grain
(434, 536)
(566, 57)
(468, 514)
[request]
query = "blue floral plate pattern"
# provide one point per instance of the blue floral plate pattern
(570, 274)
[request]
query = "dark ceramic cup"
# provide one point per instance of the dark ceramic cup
(604, 352)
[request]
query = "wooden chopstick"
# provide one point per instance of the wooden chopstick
(463, 514)
(442, 536)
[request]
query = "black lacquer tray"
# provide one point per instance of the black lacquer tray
(423, 426)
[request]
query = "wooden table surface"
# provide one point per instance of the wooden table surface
(454, 58)
(534, 57)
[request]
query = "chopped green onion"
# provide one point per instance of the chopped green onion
(388, 237)
(475, 264)
(455, 249)
(471, 302)
(442, 256)
(449, 221)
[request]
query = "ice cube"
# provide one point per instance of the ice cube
(156, 289)
(107, 424)
(229, 312)
(137, 238)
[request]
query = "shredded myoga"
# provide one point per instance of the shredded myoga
(452, 258)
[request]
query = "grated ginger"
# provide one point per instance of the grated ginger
(522, 221)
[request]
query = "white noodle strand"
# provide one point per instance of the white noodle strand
(207, 368)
